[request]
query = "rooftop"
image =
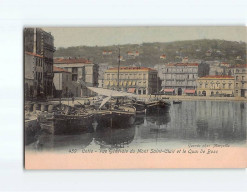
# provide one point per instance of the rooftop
(217, 77)
(33, 54)
(133, 68)
(183, 64)
(71, 61)
(56, 69)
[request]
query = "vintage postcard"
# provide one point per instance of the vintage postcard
(135, 97)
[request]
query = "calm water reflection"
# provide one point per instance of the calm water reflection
(191, 121)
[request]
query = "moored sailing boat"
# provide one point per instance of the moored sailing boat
(66, 121)
(114, 114)
(157, 106)
(152, 106)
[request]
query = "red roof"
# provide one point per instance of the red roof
(57, 69)
(132, 68)
(71, 61)
(33, 54)
(183, 64)
(168, 90)
(217, 77)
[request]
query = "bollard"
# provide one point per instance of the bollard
(44, 107)
(50, 108)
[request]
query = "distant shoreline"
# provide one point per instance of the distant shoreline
(192, 98)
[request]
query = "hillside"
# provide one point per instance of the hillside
(149, 53)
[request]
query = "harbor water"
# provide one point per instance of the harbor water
(189, 122)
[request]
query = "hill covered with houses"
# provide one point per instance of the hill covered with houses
(150, 54)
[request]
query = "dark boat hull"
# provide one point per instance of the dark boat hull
(66, 124)
(177, 102)
(140, 108)
(114, 120)
(157, 107)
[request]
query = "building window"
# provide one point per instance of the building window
(223, 85)
(243, 77)
(237, 78)
(74, 77)
(74, 70)
(230, 85)
(236, 85)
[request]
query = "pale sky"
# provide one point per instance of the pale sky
(104, 36)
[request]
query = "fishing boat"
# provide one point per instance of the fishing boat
(177, 101)
(66, 121)
(157, 106)
(114, 114)
(151, 106)
(140, 106)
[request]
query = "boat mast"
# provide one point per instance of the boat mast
(118, 68)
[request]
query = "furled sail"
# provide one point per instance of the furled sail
(112, 93)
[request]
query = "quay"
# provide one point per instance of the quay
(90, 100)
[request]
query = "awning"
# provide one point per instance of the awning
(168, 90)
(189, 91)
(131, 90)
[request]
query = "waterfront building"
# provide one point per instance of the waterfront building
(41, 43)
(138, 80)
(240, 76)
(34, 84)
(215, 85)
(180, 78)
(83, 71)
(102, 68)
(63, 84)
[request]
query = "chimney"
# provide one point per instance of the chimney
(34, 40)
